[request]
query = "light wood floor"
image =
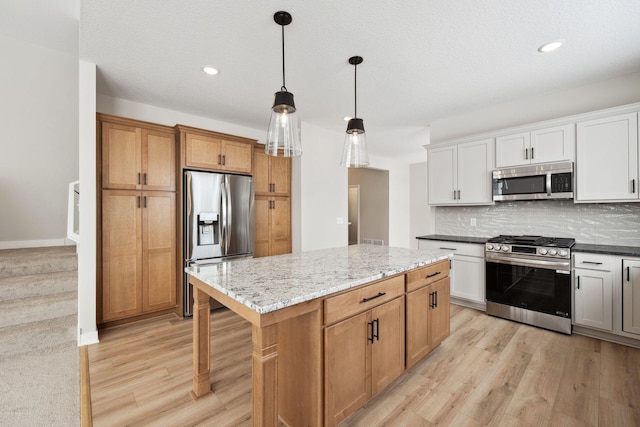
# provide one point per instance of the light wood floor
(488, 372)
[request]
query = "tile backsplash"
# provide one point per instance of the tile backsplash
(596, 223)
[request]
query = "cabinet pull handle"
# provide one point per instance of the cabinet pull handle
(578, 282)
(145, 201)
(432, 302)
(145, 178)
(138, 177)
(370, 332)
(274, 204)
(436, 297)
(628, 274)
(224, 159)
(454, 194)
(592, 262)
(531, 153)
(459, 196)
(526, 154)
(373, 297)
(219, 159)
(448, 249)
(633, 186)
(138, 201)
(432, 275)
(377, 335)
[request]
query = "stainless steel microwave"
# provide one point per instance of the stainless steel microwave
(534, 182)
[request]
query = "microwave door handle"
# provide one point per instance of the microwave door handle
(548, 184)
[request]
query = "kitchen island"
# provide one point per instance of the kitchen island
(289, 300)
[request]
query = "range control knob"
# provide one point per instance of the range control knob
(552, 252)
(563, 253)
(505, 248)
(489, 246)
(543, 251)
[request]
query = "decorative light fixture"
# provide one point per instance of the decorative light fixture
(284, 131)
(354, 152)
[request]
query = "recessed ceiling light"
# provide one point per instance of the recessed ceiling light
(550, 47)
(211, 71)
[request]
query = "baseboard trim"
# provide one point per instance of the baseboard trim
(86, 338)
(19, 244)
(468, 303)
(605, 336)
(86, 413)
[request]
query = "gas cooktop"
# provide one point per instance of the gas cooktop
(557, 242)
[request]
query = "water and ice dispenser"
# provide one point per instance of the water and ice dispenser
(208, 229)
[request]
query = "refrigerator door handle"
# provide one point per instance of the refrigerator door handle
(223, 221)
(229, 215)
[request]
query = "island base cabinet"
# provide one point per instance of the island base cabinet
(428, 313)
(631, 296)
(363, 354)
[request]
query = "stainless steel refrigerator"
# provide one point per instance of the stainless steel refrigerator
(218, 221)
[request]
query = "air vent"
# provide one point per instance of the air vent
(377, 242)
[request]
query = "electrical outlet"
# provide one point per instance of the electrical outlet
(473, 222)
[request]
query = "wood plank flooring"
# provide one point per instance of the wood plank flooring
(488, 372)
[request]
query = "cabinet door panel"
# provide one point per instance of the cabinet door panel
(387, 351)
(552, 144)
(203, 152)
(512, 150)
(261, 226)
(237, 157)
(607, 158)
(468, 278)
(121, 254)
(594, 299)
(475, 167)
(159, 251)
(281, 226)
(261, 178)
(347, 361)
(439, 316)
(417, 333)
(631, 296)
(443, 172)
(159, 160)
(281, 175)
(121, 156)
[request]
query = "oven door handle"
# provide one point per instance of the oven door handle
(554, 265)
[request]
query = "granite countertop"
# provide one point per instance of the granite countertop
(607, 249)
(271, 283)
(459, 239)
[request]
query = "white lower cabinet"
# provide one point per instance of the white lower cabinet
(631, 296)
(593, 292)
(467, 270)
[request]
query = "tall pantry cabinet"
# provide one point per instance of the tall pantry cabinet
(137, 219)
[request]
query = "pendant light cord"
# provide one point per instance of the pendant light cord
(355, 90)
(284, 86)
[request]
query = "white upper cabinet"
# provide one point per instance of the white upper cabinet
(554, 144)
(461, 174)
(607, 159)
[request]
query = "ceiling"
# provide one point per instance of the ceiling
(423, 59)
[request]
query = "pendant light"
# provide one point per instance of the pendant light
(283, 135)
(354, 152)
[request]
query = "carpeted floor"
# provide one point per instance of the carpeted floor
(39, 363)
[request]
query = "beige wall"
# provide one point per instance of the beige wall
(374, 202)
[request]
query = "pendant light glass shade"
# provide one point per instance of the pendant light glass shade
(354, 151)
(283, 135)
(284, 128)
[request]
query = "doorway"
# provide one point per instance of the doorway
(354, 214)
(369, 212)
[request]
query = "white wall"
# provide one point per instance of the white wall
(604, 94)
(39, 140)
(420, 211)
(323, 190)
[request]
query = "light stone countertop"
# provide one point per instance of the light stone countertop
(271, 283)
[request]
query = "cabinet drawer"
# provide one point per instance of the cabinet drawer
(423, 276)
(361, 299)
(595, 261)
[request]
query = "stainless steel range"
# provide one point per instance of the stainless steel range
(528, 279)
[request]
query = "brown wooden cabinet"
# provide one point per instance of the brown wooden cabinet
(272, 226)
(138, 252)
(137, 248)
(427, 310)
(272, 175)
(217, 153)
(136, 158)
(364, 352)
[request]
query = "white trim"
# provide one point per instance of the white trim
(87, 338)
(19, 244)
